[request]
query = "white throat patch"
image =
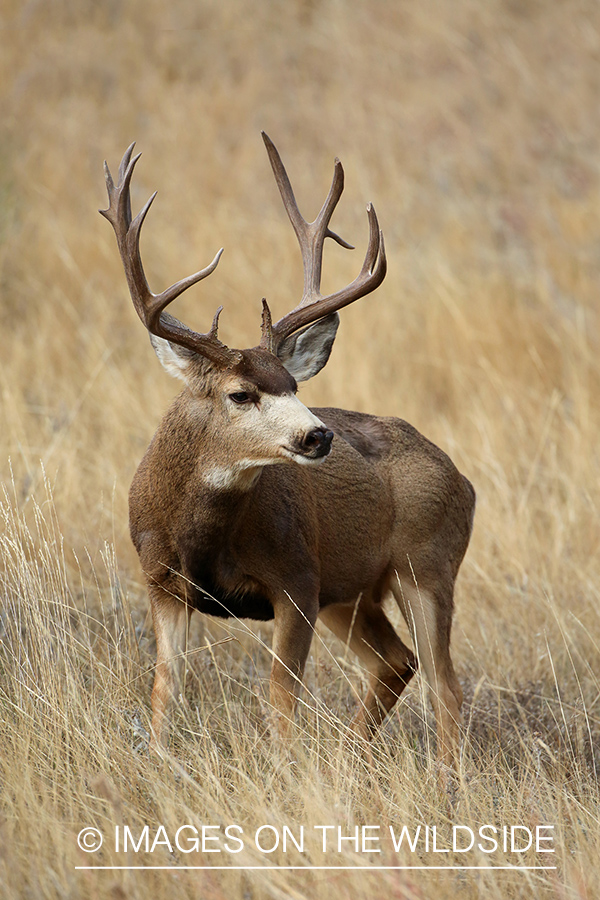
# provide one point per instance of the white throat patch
(241, 474)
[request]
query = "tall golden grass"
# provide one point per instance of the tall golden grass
(474, 129)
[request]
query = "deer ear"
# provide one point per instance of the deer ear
(174, 359)
(305, 353)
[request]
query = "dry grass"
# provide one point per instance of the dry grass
(474, 129)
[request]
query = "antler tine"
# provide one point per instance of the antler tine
(311, 237)
(123, 166)
(371, 275)
(149, 306)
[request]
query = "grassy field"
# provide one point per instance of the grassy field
(475, 130)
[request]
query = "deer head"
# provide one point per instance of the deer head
(249, 396)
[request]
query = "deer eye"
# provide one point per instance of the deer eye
(240, 397)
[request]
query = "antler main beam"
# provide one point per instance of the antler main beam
(149, 306)
(311, 238)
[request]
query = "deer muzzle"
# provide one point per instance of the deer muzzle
(316, 443)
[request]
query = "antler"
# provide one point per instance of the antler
(311, 237)
(149, 306)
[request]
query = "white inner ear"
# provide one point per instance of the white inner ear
(305, 353)
(174, 359)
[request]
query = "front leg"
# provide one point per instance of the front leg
(170, 617)
(292, 636)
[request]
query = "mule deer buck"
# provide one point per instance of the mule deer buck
(248, 504)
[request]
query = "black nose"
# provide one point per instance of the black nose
(317, 442)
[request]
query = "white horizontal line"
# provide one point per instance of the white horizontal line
(322, 868)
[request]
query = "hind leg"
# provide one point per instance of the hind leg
(428, 613)
(365, 628)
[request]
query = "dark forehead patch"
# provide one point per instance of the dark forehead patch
(265, 371)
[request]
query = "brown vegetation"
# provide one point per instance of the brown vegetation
(474, 128)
